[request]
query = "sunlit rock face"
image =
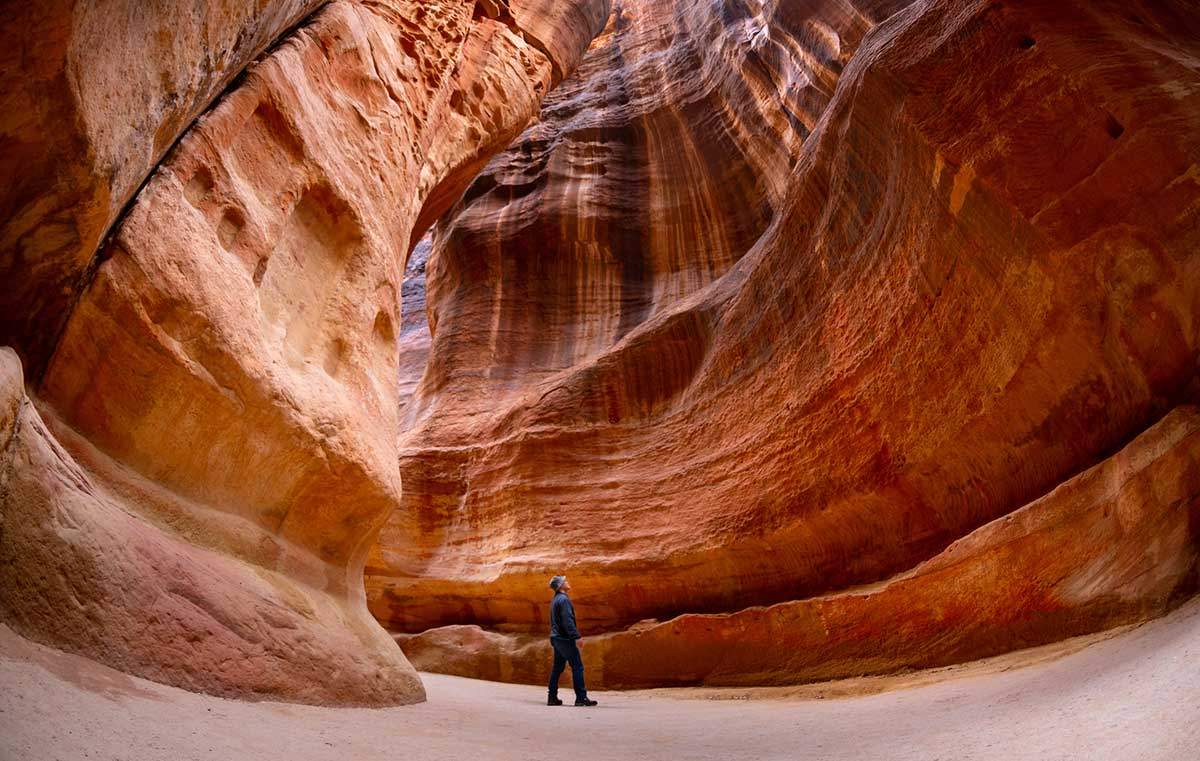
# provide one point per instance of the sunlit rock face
(776, 301)
(193, 482)
(94, 95)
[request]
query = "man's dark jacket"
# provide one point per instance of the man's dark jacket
(562, 617)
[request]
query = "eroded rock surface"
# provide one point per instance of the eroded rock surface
(1115, 544)
(217, 440)
(651, 171)
(94, 95)
(778, 300)
(847, 326)
(100, 561)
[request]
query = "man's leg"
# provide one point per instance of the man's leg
(576, 661)
(560, 663)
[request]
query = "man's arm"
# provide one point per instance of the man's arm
(568, 620)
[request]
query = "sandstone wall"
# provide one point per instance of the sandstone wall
(819, 350)
(811, 337)
(649, 173)
(216, 444)
(1113, 545)
(95, 94)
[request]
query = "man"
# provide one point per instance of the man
(563, 634)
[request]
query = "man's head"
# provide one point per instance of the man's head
(560, 584)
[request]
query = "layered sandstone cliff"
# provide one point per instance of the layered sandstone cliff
(811, 337)
(210, 446)
(778, 300)
(1113, 545)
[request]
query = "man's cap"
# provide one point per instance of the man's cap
(556, 582)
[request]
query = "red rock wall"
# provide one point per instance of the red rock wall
(818, 350)
(781, 326)
(651, 172)
(1113, 545)
(214, 440)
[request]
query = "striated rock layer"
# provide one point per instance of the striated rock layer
(1115, 544)
(650, 172)
(212, 448)
(778, 299)
(846, 327)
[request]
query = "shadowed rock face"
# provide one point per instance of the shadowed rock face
(210, 451)
(778, 300)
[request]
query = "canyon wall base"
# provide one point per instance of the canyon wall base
(82, 569)
(1117, 544)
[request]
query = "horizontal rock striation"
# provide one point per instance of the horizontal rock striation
(217, 445)
(703, 356)
(651, 171)
(811, 337)
(1116, 544)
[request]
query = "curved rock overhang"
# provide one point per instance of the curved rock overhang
(207, 446)
(780, 305)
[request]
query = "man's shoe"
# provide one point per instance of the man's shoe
(553, 702)
(585, 702)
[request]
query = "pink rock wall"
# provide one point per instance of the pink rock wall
(216, 444)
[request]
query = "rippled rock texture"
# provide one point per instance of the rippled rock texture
(193, 482)
(781, 300)
(1107, 547)
(811, 337)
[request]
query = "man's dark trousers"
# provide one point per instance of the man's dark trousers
(566, 651)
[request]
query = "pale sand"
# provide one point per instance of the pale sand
(1132, 696)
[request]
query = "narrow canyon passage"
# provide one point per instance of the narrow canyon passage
(812, 340)
(1129, 698)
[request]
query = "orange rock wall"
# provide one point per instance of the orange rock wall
(1115, 544)
(214, 437)
(801, 334)
(650, 173)
(735, 380)
(94, 96)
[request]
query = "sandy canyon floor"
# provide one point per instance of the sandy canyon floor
(1130, 695)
